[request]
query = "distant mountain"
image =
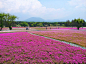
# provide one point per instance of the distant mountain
(38, 19)
(35, 19)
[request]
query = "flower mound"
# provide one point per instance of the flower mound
(22, 47)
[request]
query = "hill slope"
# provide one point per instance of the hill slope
(35, 19)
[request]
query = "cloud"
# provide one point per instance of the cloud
(19, 5)
(78, 6)
(31, 7)
(1, 5)
(77, 3)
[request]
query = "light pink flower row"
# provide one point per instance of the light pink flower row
(73, 36)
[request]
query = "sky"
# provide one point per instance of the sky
(47, 9)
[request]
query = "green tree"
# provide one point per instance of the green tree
(7, 20)
(85, 24)
(2, 15)
(73, 23)
(67, 23)
(24, 24)
(18, 25)
(63, 25)
(79, 22)
(10, 20)
(40, 25)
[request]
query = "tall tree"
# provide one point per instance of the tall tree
(79, 22)
(2, 20)
(10, 20)
(73, 23)
(67, 23)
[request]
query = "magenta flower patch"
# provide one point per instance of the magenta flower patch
(22, 47)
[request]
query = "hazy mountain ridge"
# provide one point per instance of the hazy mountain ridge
(38, 19)
(35, 19)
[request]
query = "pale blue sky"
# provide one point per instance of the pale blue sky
(46, 9)
(54, 3)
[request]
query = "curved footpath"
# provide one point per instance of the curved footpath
(61, 41)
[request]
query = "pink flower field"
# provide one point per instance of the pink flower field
(4, 28)
(69, 28)
(24, 48)
(73, 36)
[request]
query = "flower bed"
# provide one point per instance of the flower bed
(69, 28)
(18, 27)
(73, 36)
(56, 28)
(22, 47)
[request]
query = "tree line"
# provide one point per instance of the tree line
(8, 20)
(39, 24)
(74, 23)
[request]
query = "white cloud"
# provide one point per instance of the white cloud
(31, 7)
(1, 5)
(19, 5)
(77, 3)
